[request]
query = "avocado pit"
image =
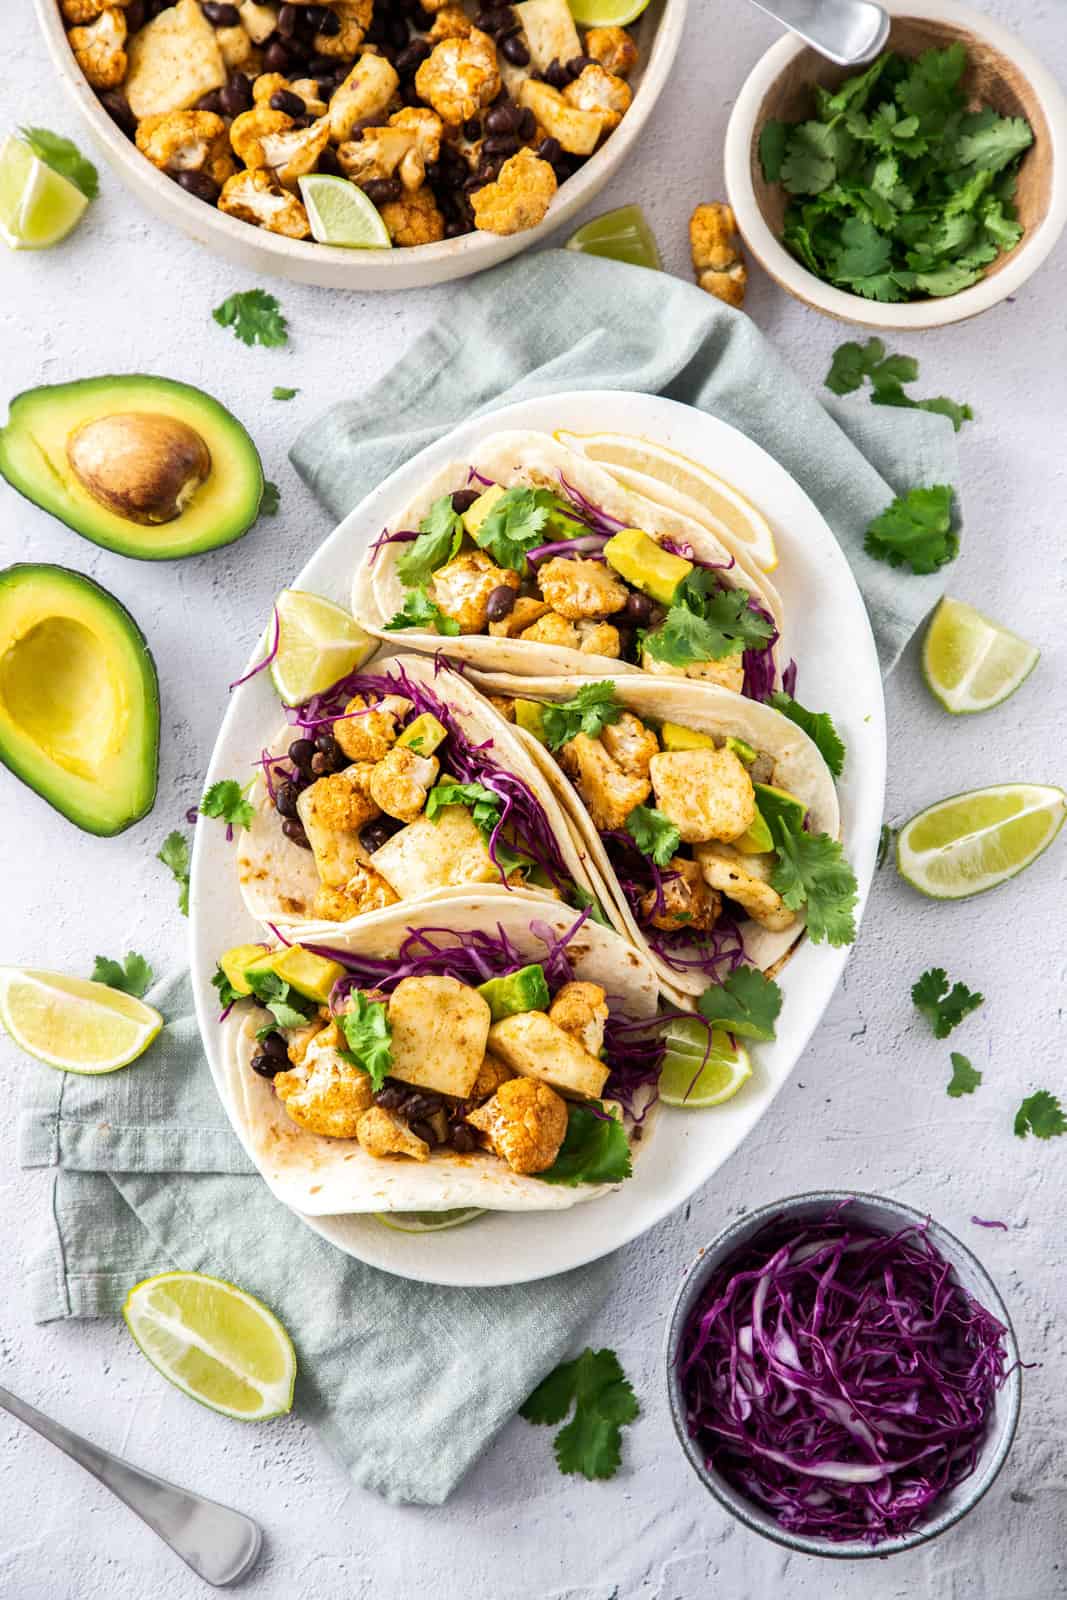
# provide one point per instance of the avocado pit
(142, 465)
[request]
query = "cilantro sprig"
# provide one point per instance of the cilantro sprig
(1042, 1115)
(812, 873)
(595, 1149)
(707, 623)
(64, 157)
(254, 316)
(943, 1007)
(440, 536)
(916, 531)
(174, 854)
(965, 1078)
(520, 521)
(132, 976)
(419, 611)
(288, 1008)
(228, 995)
(227, 801)
(819, 727)
(369, 1038)
(854, 363)
(589, 711)
(604, 1402)
(746, 1003)
(654, 834)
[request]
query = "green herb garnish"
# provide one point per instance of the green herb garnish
(419, 611)
(819, 727)
(280, 393)
(812, 872)
(944, 1008)
(965, 1078)
(269, 500)
(254, 316)
(288, 1008)
(589, 712)
(175, 855)
(64, 157)
(369, 1037)
(228, 801)
(594, 1150)
(134, 976)
(440, 536)
(746, 1003)
(654, 834)
(1042, 1115)
(707, 623)
(854, 363)
(916, 531)
(604, 1402)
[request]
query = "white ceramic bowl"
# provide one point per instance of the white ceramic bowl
(1009, 76)
(658, 32)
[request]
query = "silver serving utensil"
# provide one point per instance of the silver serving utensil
(220, 1545)
(846, 31)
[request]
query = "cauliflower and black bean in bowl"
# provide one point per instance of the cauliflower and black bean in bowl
(448, 119)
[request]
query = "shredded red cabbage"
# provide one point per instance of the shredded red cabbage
(789, 678)
(717, 953)
(682, 547)
(598, 520)
(840, 1376)
(404, 536)
(570, 547)
(759, 664)
(981, 1222)
(267, 659)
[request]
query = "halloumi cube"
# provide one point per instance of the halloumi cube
(707, 794)
(426, 856)
(173, 61)
(550, 32)
(439, 1030)
(534, 1046)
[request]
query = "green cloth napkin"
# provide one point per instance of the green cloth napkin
(409, 1382)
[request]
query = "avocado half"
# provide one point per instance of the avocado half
(182, 471)
(79, 697)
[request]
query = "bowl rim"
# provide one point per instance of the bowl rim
(333, 265)
(790, 275)
(998, 1445)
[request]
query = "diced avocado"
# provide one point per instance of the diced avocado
(424, 734)
(642, 562)
(79, 697)
(774, 804)
(530, 714)
(476, 514)
(142, 465)
(264, 962)
(236, 962)
(674, 737)
(524, 990)
(744, 752)
(310, 975)
(757, 840)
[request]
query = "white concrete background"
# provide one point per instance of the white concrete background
(866, 1106)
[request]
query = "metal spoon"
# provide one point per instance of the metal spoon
(846, 31)
(220, 1545)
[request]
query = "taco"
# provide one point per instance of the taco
(502, 1060)
(713, 820)
(528, 558)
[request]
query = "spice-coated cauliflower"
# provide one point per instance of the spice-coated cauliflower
(745, 879)
(524, 1123)
(577, 131)
(551, 628)
(237, 50)
(325, 1093)
(355, 18)
(598, 91)
(717, 260)
(729, 672)
(99, 48)
(460, 77)
(523, 614)
(265, 138)
(687, 901)
(519, 198)
(187, 141)
(491, 1074)
(414, 218)
(364, 734)
(581, 1009)
(366, 92)
(258, 19)
(258, 197)
(77, 11)
(610, 794)
(461, 588)
(580, 588)
(451, 22)
(401, 780)
(383, 1133)
(613, 48)
(598, 638)
(630, 743)
(365, 890)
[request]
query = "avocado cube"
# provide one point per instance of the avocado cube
(674, 737)
(424, 734)
(524, 990)
(310, 975)
(476, 514)
(530, 714)
(742, 750)
(776, 805)
(263, 962)
(757, 839)
(642, 563)
(235, 963)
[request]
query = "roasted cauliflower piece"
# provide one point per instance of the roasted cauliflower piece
(578, 589)
(549, 30)
(581, 1009)
(613, 48)
(259, 20)
(599, 639)
(365, 734)
(366, 890)
(745, 879)
(707, 794)
(439, 1028)
(459, 77)
(519, 196)
(491, 1074)
(414, 218)
(382, 1133)
(609, 793)
(99, 48)
(355, 18)
(551, 628)
(366, 92)
(265, 138)
(401, 780)
(577, 131)
(325, 1094)
(272, 83)
(524, 1124)
(187, 141)
(629, 743)
(426, 855)
(78, 11)
(461, 588)
(403, 149)
(523, 614)
(600, 92)
(536, 1047)
(174, 60)
(258, 197)
(451, 22)
(333, 810)
(717, 259)
(687, 901)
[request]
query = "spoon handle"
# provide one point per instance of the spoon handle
(846, 31)
(219, 1544)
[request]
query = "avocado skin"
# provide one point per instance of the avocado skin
(221, 512)
(16, 753)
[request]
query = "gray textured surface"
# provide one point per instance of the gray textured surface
(866, 1105)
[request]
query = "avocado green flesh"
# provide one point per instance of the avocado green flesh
(33, 459)
(79, 698)
(524, 990)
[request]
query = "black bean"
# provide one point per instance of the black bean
(274, 1045)
(638, 608)
(291, 104)
(472, 128)
(300, 754)
(550, 150)
(577, 65)
(322, 766)
(237, 95)
(219, 16)
(514, 49)
(276, 57)
(328, 162)
(463, 499)
(285, 799)
(380, 191)
(454, 227)
(327, 745)
(288, 21)
(135, 16)
(320, 19)
(422, 20)
(484, 20)
(503, 144)
(501, 603)
(267, 1066)
(502, 119)
(424, 1131)
(200, 184)
(374, 835)
(422, 1104)
(410, 60)
(656, 615)
(557, 75)
(462, 1138)
(326, 67)
(626, 642)
(391, 1096)
(115, 104)
(294, 831)
(210, 102)
(527, 124)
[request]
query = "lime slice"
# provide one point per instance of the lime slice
(606, 13)
(624, 235)
(973, 841)
(428, 1221)
(970, 662)
(214, 1342)
(38, 207)
(682, 1081)
(73, 1024)
(339, 213)
(318, 642)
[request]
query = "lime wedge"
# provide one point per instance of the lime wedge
(214, 1342)
(318, 642)
(606, 13)
(73, 1024)
(683, 1082)
(623, 235)
(428, 1221)
(971, 842)
(970, 662)
(339, 213)
(38, 207)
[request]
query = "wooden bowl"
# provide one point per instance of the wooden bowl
(1001, 73)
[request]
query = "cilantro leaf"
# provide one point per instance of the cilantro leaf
(1042, 1115)
(419, 611)
(706, 623)
(993, 145)
(175, 855)
(851, 363)
(930, 91)
(134, 976)
(653, 834)
(812, 872)
(773, 140)
(916, 530)
(965, 1078)
(254, 316)
(482, 803)
(595, 1149)
(604, 1402)
(811, 159)
(746, 1003)
(369, 1037)
(228, 995)
(280, 393)
(64, 157)
(440, 536)
(227, 800)
(944, 1008)
(269, 500)
(516, 524)
(589, 711)
(819, 727)
(289, 1009)
(864, 251)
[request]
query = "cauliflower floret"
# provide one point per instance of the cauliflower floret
(260, 20)
(524, 1123)
(599, 91)
(187, 141)
(441, 854)
(518, 198)
(687, 900)
(459, 77)
(580, 588)
(491, 1074)
(403, 149)
(382, 1133)
(98, 48)
(401, 780)
(551, 628)
(523, 614)
(609, 793)
(613, 48)
(707, 794)
(174, 61)
(451, 22)
(439, 1030)
(577, 131)
(364, 735)
(549, 31)
(717, 259)
(326, 1094)
(426, 132)
(462, 588)
(537, 1047)
(599, 639)
(259, 197)
(729, 672)
(88, 10)
(744, 879)
(581, 1009)
(333, 810)
(265, 138)
(366, 890)
(355, 18)
(366, 92)
(630, 743)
